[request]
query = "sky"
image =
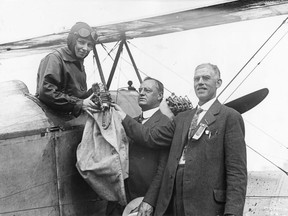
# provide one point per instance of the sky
(170, 58)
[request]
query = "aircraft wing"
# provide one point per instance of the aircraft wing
(215, 14)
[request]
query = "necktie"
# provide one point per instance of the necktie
(191, 129)
(141, 118)
(194, 122)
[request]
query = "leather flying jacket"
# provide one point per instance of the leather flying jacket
(61, 82)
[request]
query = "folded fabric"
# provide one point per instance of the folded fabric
(102, 156)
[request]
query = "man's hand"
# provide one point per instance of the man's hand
(119, 110)
(145, 209)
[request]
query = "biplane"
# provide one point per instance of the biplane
(38, 146)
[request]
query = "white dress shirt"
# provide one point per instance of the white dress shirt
(205, 108)
(148, 113)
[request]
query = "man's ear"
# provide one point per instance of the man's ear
(219, 83)
(160, 96)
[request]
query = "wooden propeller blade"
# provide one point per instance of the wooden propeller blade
(247, 102)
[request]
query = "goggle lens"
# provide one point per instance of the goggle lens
(94, 35)
(85, 33)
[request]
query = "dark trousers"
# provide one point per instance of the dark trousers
(176, 206)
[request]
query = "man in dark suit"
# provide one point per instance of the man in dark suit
(146, 165)
(206, 172)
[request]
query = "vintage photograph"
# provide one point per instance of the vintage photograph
(143, 108)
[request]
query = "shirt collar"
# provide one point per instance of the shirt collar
(207, 105)
(148, 113)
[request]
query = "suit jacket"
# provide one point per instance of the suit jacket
(146, 165)
(215, 173)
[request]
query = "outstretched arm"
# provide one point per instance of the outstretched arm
(153, 137)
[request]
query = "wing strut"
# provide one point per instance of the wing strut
(115, 64)
(133, 62)
(96, 56)
(119, 51)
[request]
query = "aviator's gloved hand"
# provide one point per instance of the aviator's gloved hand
(102, 100)
(101, 97)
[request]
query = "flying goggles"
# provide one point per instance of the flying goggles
(85, 33)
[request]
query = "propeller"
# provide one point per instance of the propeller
(247, 102)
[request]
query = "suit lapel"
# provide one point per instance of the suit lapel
(209, 116)
(207, 119)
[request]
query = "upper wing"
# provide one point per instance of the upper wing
(216, 14)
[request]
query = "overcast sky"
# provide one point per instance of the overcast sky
(170, 58)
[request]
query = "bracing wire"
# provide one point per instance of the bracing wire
(256, 66)
(253, 56)
(234, 77)
(120, 72)
(141, 71)
(267, 159)
(109, 52)
(248, 76)
(268, 135)
(160, 63)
